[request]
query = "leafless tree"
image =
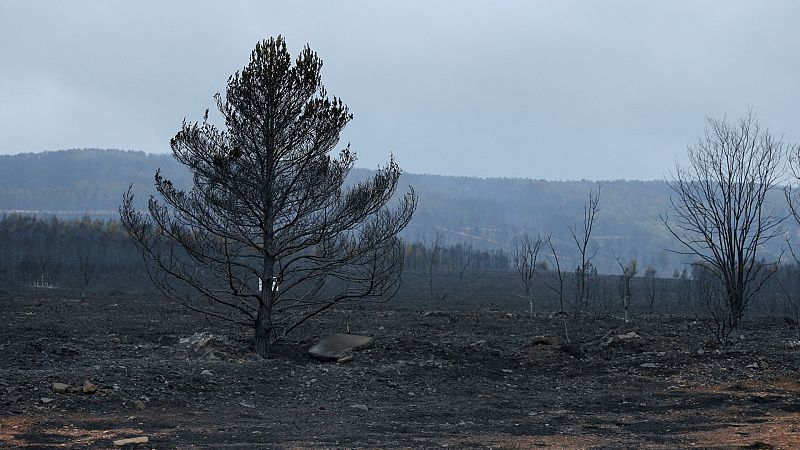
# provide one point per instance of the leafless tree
(715, 310)
(650, 285)
(86, 267)
(788, 281)
(721, 211)
(270, 204)
(606, 293)
(48, 268)
(791, 191)
(557, 285)
(585, 271)
(432, 253)
(629, 270)
(526, 255)
(683, 284)
(463, 259)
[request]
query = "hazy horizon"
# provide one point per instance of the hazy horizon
(536, 90)
(357, 166)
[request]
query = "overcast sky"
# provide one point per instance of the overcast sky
(550, 89)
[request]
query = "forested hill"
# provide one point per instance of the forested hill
(72, 182)
(481, 212)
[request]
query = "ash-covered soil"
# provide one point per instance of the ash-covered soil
(434, 378)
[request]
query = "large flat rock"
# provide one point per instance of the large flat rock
(334, 347)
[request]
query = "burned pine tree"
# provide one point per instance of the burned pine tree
(270, 206)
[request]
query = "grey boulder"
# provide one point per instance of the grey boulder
(337, 346)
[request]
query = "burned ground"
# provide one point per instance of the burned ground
(436, 377)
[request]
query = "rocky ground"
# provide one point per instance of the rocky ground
(135, 365)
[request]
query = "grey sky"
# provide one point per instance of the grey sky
(554, 90)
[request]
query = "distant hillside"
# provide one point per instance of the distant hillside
(482, 212)
(79, 181)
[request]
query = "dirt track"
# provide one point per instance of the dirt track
(452, 379)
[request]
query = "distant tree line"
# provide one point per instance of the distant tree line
(47, 251)
(484, 213)
(455, 257)
(81, 253)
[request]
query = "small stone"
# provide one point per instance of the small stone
(197, 339)
(89, 387)
(138, 404)
(649, 365)
(631, 335)
(545, 340)
(359, 406)
(506, 370)
(45, 400)
(129, 441)
(346, 359)
(60, 387)
(207, 373)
